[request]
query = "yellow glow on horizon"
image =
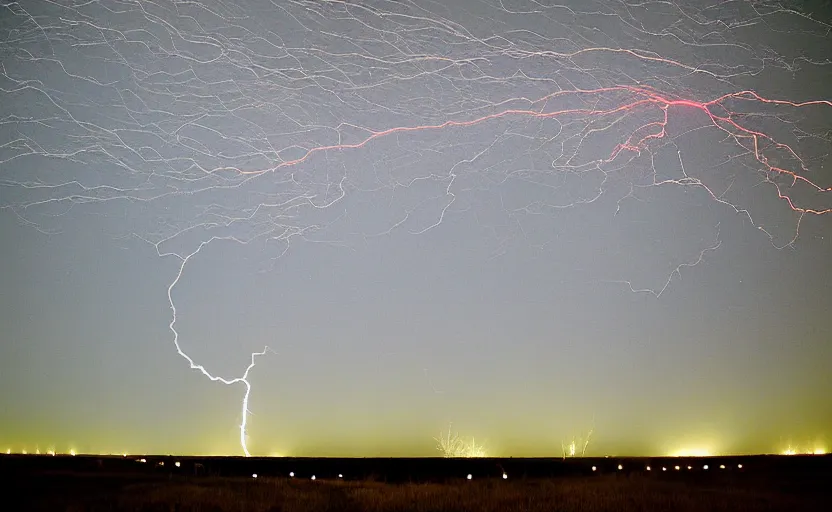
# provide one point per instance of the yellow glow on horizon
(72, 452)
(819, 451)
(692, 452)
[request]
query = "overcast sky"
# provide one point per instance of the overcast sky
(524, 219)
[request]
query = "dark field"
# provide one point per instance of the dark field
(763, 484)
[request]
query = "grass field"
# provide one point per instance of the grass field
(124, 492)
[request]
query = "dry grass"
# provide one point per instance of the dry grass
(281, 495)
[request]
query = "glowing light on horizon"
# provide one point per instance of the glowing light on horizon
(505, 476)
(72, 452)
(313, 477)
(177, 464)
(469, 476)
(692, 452)
(254, 475)
(453, 446)
(594, 468)
(819, 451)
(291, 474)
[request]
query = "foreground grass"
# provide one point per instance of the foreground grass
(636, 493)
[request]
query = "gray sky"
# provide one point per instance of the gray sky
(527, 219)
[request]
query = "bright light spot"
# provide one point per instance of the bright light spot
(291, 474)
(722, 466)
(37, 451)
(72, 452)
(124, 454)
(51, 452)
(142, 460)
(254, 475)
(505, 476)
(620, 467)
(676, 468)
(469, 476)
(648, 468)
(340, 475)
(24, 452)
(705, 466)
(161, 463)
(692, 452)
(8, 451)
(689, 467)
(664, 469)
(313, 477)
(177, 464)
(593, 468)
(739, 466)
(819, 451)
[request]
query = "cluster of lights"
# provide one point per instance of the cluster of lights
(791, 451)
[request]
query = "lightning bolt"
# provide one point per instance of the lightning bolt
(194, 366)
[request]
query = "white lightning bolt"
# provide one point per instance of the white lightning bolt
(194, 365)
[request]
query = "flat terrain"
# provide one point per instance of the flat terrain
(124, 492)
(128, 485)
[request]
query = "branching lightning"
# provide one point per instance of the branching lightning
(208, 122)
(451, 446)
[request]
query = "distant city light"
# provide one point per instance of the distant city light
(505, 476)
(705, 466)
(819, 451)
(689, 468)
(177, 463)
(648, 468)
(664, 468)
(8, 451)
(72, 452)
(469, 476)
(313, 477)
(340, 475)
(676, 468)
(291, 474)
(24, 452)
(142, 460)
(593, 468)
(722, 466)
(692, 452)
(620, 467)
(739, 466)
(254, 475)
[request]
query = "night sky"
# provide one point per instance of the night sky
(523, 220)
